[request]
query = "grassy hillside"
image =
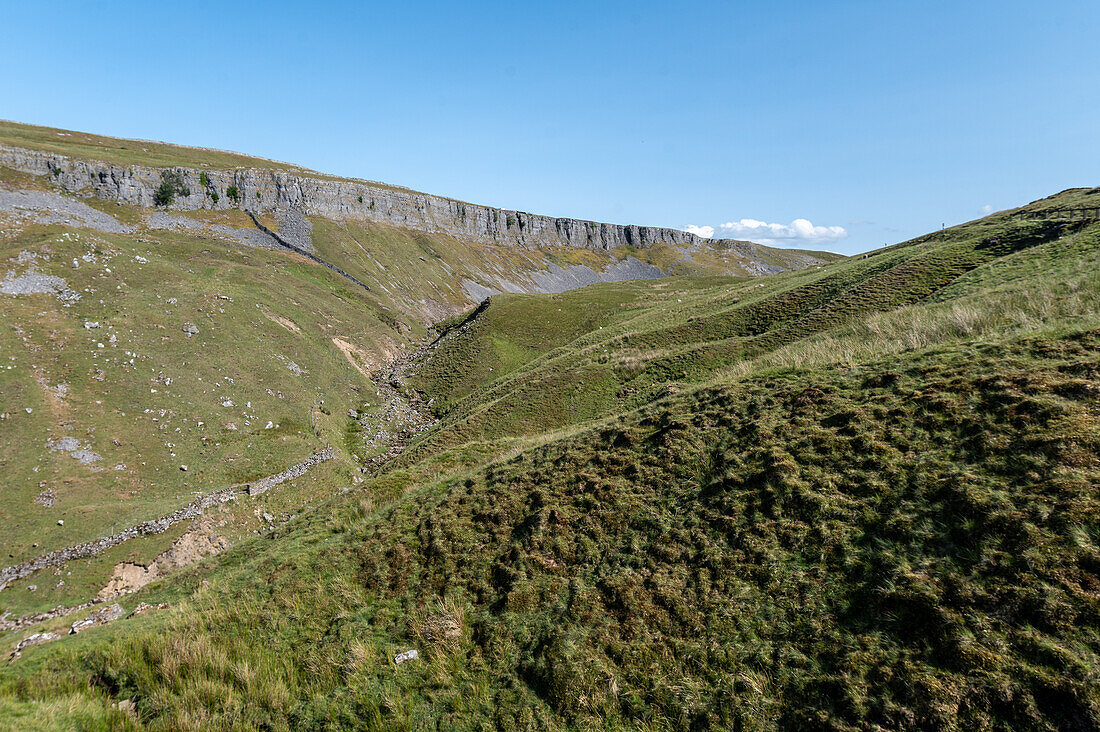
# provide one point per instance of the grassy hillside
(167, 357)
(127, 152)
(117, 372)
(528, 364)
(862, 496)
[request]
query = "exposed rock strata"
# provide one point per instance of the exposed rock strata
(190, 548)
(269, 190)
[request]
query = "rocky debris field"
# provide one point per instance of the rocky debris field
(400, 416)
(51, 208)
(33, 282)
(559, 279)
(296, 228)
(556, 279)
(74, 449)
(162, 220)
(25, 206)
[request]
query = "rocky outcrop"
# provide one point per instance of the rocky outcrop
(263, 190)
(34, 640)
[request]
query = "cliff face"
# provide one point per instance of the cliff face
(264, 190)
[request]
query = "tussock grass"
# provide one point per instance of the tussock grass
(988, 316)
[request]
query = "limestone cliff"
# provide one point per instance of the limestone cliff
(263, 190)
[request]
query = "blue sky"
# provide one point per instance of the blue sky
(881, 120)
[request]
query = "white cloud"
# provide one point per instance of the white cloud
(987, 209)
(799, 230)
(704, 231)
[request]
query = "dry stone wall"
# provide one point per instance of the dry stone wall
(158, 525)
(265, 484)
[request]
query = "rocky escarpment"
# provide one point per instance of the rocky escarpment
(261, 190)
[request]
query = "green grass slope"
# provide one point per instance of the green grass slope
(862, 497)
(526, 364)
(127, 152)
(116, 369)
(231, 402)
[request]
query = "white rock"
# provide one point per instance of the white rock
(409, 655)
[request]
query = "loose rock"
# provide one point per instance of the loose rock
(409, 655)
(99, 617)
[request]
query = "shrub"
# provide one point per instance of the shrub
(164, 194)
(233, 193)
(203, 180)
(360, 199)
(171, 185)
